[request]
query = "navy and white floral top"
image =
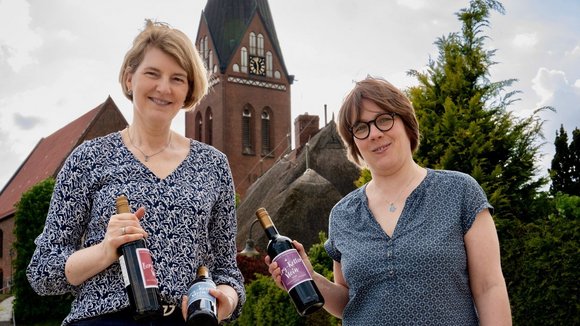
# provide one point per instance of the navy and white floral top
(190, 218)
(419, 275)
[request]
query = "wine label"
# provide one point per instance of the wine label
(293, 269)
(147, 270)
(200, 291)
(124, 270)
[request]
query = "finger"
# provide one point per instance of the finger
(184, 300)
(221, 298)
(267, 260)
(300, 249)
(272, 267)
(298, 245)
(140, 212)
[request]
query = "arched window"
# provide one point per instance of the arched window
(266, 133)
(208, 126)
(244, 60)
(260, 45)
(198, 126)
(247, 130)
(210, 60)
(252, 43)
(205, 47)
(269, 64)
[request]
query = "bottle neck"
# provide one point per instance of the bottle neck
(271, 232)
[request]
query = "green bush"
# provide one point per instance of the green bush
(266, 304)
(29, 307)
(547, 290)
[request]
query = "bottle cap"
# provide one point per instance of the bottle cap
(264, 218)
(202, 271)
(122, 204)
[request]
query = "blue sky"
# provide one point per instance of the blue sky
(60, 58)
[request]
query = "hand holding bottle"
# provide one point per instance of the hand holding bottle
(294, 275)
(275, 270)
(122, 228)
(225, 303)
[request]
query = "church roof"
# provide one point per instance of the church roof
(300, 192)
(48, 156)
(228, 21)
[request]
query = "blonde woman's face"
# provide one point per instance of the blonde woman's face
(159, 86)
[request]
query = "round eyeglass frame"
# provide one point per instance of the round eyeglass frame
(374, 121)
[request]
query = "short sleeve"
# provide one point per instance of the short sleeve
(474, 201)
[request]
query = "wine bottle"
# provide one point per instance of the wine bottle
(139, 276)
(201, 306)
(296, 278)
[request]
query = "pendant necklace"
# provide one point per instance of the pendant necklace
(147, 157)
(392, 207)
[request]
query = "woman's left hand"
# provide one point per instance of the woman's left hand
(225, 304)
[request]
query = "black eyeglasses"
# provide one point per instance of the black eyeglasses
(384, 122)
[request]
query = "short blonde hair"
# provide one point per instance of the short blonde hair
(174, 43)
(384, 95)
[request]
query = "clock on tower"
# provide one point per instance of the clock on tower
(257, 66)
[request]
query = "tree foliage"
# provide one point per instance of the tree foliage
(31, 213)
(464, 122)
(546, 289)
(565, 168)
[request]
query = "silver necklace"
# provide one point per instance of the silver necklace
(147, 157)
(392, 207)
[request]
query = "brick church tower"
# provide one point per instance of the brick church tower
(246, 114)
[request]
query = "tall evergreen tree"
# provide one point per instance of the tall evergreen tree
(464, 122)
(575, 159)
(561, 163)
(565, 168)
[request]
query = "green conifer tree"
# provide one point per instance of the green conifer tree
(561, 163)
(464, 122)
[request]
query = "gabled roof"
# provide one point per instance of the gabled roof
(228, 21)
(47, 157)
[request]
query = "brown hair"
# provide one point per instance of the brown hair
(174, 43)
(387, 97)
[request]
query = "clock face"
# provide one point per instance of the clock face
(257, 66)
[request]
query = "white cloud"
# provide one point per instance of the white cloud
(577, 83)
(546, 82)
(574, 52)
(17, 46)
(525, 40)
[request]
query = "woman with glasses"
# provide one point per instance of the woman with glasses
(414, 246)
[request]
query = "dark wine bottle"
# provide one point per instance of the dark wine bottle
(139, 276)
(296, 278)
(201, 306)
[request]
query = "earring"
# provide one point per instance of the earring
(130, 92)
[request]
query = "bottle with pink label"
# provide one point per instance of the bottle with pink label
(295, 276)
(139, 275)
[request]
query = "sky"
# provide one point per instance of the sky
(61, 58)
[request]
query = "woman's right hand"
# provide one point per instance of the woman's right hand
(275, 271)
(122, 228)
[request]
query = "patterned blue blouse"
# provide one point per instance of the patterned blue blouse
(190, 218)
(419, 275)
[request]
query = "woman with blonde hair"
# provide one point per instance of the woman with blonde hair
(181, 191)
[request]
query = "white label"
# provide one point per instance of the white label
(124, 271)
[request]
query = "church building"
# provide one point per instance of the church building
(246, 113)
